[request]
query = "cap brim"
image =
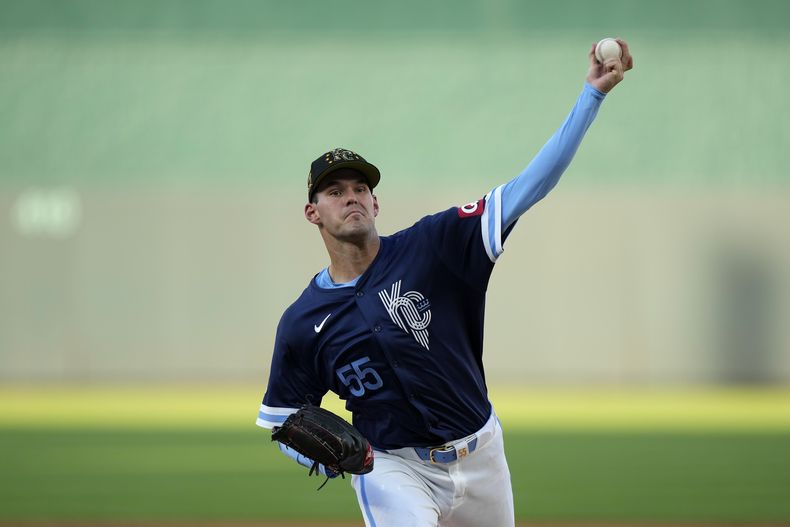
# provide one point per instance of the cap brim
(370, 172)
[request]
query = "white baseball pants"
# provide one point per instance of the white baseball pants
(473, 491)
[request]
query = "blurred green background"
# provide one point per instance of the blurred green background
(153, 158)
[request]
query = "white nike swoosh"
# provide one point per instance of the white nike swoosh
(319, 327)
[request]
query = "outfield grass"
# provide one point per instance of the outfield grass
(231, 474)
(211, 405)
(169, 453)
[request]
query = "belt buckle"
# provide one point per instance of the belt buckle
(443, 448)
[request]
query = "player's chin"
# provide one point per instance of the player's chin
(355, 230)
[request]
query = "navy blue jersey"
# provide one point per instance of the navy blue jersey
(403, 347)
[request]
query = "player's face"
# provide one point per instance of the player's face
(344, 207)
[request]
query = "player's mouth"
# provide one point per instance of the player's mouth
(355, 211)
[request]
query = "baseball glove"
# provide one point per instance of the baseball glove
(327, 439)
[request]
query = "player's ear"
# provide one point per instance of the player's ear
(375, 205)
(311, 213)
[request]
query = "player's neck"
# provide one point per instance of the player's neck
(349, 260)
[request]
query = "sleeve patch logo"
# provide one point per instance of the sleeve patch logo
(474, 208)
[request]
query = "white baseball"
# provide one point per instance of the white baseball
(606, 49)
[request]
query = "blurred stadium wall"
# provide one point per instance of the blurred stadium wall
(153, 158)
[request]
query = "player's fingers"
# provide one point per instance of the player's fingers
(614, 70)
(628, 60)
(591, 55)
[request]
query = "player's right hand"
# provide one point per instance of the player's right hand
(604, 77)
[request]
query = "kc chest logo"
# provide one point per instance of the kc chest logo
(411, 311)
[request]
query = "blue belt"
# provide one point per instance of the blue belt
(446, 453)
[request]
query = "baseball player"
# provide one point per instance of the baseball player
(394, 326)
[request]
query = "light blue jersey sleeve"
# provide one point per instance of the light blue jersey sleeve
(305, 461)
(269, 417)
(505, 203)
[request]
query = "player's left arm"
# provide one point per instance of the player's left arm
(544, 171)
(457, 242)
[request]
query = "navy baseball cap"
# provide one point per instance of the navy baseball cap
(340, 158)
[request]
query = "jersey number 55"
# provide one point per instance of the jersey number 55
(358, 379)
